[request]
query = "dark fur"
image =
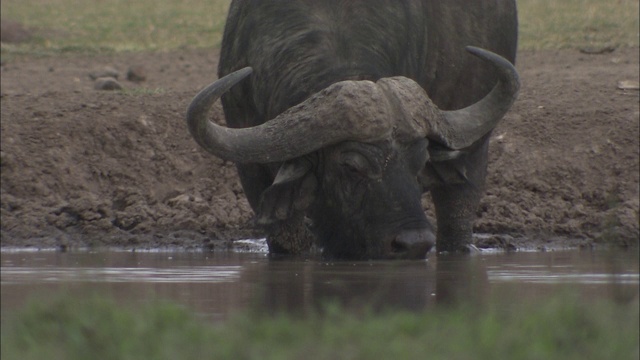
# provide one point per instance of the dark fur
(297, 48)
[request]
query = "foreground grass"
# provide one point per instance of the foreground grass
(560, 328)
(62, 26)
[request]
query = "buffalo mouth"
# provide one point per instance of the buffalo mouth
(412, 244)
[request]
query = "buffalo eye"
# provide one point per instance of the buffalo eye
(354, 163)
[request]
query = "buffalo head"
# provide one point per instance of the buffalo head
(352, 155)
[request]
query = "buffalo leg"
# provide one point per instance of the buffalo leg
(456, 202)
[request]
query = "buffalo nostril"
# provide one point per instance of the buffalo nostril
(413, 244)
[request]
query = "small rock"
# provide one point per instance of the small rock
(136, 73)
(107, 83)
(106, 72)
(180, 199)
(628, 85)
(596, 50)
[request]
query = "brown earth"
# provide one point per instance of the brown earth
(84, 167)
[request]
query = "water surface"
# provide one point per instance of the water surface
(215, 285)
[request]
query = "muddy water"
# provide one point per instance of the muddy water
(216, 285)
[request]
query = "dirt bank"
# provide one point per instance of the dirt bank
(81, 166)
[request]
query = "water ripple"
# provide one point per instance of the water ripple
(547, 277)
(198, 274)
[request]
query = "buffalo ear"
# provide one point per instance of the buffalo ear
(293, 190)
(443, 171)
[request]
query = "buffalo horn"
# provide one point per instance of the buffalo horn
(459, 129)
(347, 110)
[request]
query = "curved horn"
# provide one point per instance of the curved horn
(459, 129)
(203, 131)
(347, 110)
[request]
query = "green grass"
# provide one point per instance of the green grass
(551, 24)
(79, 26)
(558, 328)
(116, 25)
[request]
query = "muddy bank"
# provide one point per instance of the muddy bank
(85, 167)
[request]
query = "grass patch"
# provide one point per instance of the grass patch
(553, 24)
(78, 26)
(62, 26)
(560, 328)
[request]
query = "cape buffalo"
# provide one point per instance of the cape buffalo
(344, 112)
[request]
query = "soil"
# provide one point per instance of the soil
(86, 167)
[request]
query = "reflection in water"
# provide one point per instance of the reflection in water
(304, 286)
(379, 285)
(218, 284)
(460, 278)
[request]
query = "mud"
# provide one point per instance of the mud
(87, 167)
